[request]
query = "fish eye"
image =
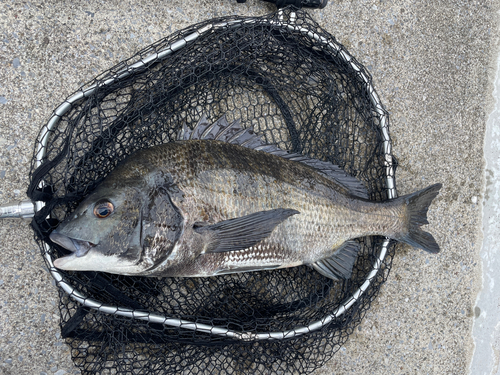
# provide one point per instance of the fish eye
(103, 209)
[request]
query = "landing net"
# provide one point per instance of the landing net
(296, 86)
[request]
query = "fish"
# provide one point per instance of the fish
(220, 200)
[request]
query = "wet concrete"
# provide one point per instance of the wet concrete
(433, 64)
(486, 332)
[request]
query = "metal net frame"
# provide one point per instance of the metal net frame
(297, 87)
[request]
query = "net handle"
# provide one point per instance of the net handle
(205, 328)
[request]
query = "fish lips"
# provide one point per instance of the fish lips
(78, 247)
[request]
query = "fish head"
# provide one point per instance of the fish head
(116, 230)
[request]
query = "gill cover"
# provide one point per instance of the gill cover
(162, 223)
(140, 233)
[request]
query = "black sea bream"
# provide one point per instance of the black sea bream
(219, 200)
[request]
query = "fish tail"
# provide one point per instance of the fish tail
(417, 207)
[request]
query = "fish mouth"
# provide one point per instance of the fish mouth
(78, 247)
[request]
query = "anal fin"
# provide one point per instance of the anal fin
(339, 265)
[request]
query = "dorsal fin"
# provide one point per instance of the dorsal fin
(200, 128)
(332, 171)
(352, 184)
(234, 133)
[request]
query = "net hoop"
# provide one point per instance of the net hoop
(205, 328)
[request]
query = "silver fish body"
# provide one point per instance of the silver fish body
(205, 207)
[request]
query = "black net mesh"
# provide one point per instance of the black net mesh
(294, 88)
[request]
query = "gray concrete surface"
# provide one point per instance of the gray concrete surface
(433, 65)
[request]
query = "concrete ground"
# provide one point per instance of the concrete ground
(433, 65)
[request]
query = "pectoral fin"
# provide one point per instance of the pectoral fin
(339, 265)
(242, 232)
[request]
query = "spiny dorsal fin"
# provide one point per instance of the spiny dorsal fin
(200, 128)
(184, 133)
(234, 133)
(223, 131)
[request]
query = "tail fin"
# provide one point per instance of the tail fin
(417, 206)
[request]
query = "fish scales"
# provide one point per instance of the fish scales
(218, 184)
(200, 207)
